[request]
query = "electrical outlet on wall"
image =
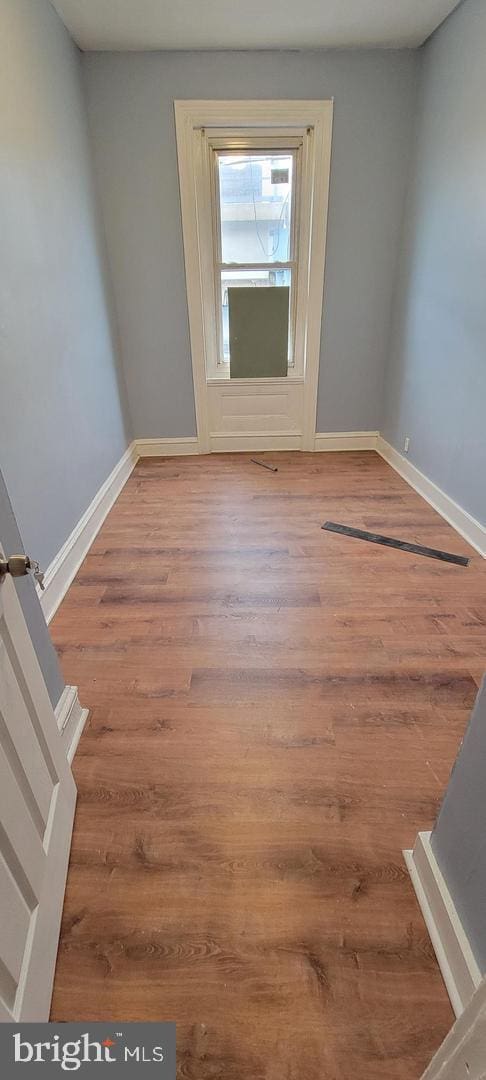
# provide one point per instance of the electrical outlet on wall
(406, 443)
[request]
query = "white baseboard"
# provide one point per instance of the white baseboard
(239, 442)
(247, 441)
(66, 563)
(166, 447)
(236, 442)
(71, 718)
(461, 521)
(346, 440)
(455, 957)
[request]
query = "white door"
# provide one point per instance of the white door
(37, 800)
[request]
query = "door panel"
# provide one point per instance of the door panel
(15, 923)
(22, 840)
(37, 800)
(23, 751)
(274, 407)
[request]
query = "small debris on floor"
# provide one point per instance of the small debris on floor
(264, 464)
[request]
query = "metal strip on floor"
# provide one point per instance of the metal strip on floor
(389, 541)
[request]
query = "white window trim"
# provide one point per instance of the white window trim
(312, 118)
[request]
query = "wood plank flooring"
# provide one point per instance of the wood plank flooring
(274, 714)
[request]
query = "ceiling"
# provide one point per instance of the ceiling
(250, 24)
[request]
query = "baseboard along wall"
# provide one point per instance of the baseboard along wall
(460, 519)
(165, 447)
(346, 440)
(455, 957)
(71, 718)
(66, 563)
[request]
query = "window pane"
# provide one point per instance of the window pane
(255, 207)
(257, 278)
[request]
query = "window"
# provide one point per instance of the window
(255, 410)
(254, 221)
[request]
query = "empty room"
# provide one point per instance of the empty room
(243, 538)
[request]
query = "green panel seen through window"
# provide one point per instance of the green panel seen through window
(258, 332)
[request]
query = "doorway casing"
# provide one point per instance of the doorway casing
(251, 414)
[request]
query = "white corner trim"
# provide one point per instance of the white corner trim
(166, 447)
(455, 957)
(71, 718)
(462, 1052)
(66, 563)
(460, 519)
(346, 440)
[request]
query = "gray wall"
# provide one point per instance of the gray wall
(130, 100)
(436, 386)
(62, 425)
(11, 543)
(459, 836)
(436, 389)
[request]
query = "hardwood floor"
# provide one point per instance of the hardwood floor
(274, 714)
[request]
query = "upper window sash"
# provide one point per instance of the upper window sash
(290, 147)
